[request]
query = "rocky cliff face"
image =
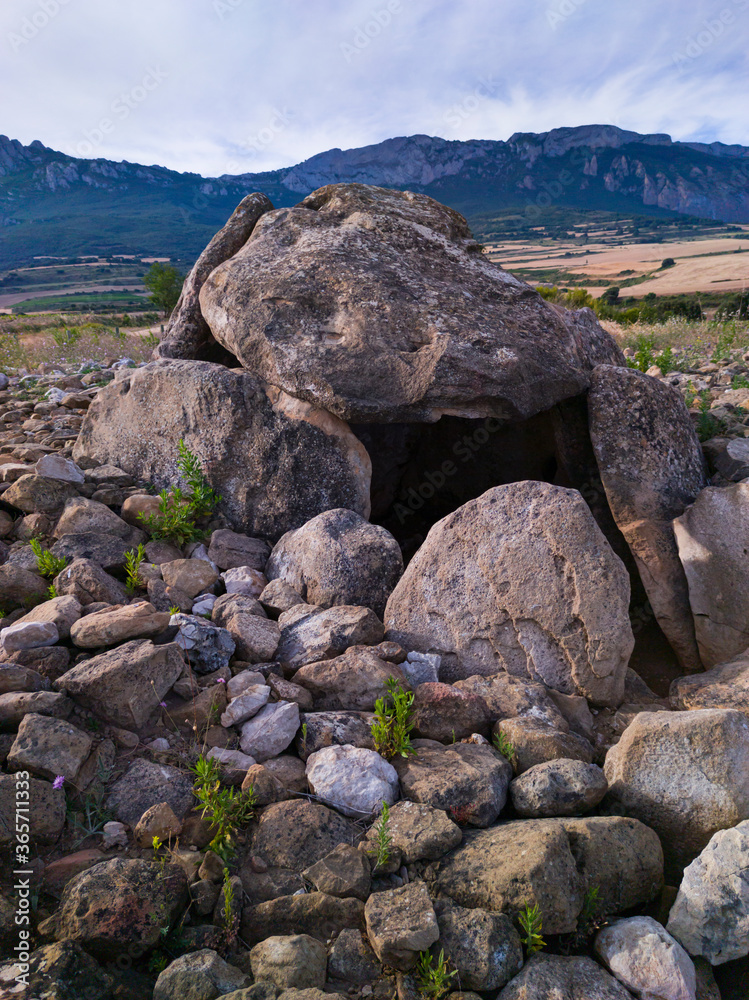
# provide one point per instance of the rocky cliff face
(598, 166)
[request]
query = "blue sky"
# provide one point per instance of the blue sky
(228, 86)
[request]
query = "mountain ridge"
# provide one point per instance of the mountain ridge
(50, 200)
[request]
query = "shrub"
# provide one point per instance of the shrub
(47, 564)
(225, 808)
(179, 509)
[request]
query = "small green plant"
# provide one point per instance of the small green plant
(740, 382)
(383, 837)
(161, 856)
(504, 746)
(708, 426)
(180, 509)
(392, 722)
(174, 610)
(644, 356)
(90, 819)
(47, 564)
(433, 978)
(133, 559)
(151, 340)
(229, 913)
(531, 924)
(589, 922)
(157, 962)
(52, 592)
(304, 735)
(225, 808)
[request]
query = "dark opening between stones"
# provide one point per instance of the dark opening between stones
(423, 472)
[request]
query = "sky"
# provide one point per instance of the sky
(234, 86)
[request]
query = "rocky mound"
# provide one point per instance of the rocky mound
(265, 754)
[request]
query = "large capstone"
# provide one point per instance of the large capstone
(377, 305)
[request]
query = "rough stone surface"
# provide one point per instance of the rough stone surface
(277, 462)
(325, 729)
(246, 705)
(125, 685)
(685, 774)
(352, 681)
(420, 832)
(49, 747)
(228, 549)
(725, 686)
(353, 780)
(109, 628)
(647, 960)
(343, 872)
(447, 714)
(255, 636)
(39, 494)
(89, 584)
(712, 535)
(352, 960)
(652, 468)
(710, 916)
(401, 322)
(208, 647)
(296, 961)
(571, 978)
(508, 697)
(467, 781)
(553, 862)
(338, 558)
(16, 704)
(520, 579)
(401, 923)
(558, 788)
(535, 743)
(28, 635)
(192, 576)
(20, 587)
(146, 784)
(484, 947)
(314, 913)
(296, 834)
(271, 730)
(199, 975)
(62, 611)
(83, 516)
(309, 633)
(46, 806)
(118, 903)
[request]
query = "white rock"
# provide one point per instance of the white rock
(55, 395)
(231, 758)
(115, 835)
(244, 580)
(271, 730)
(240, 682)
(201, 552)
(246, 705)
(421, 668)
(57, 467)
(647, 960)
(354, 780)
(28, 635)
(710, 916)
(158, 744)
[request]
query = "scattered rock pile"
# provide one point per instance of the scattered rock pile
(323, 361)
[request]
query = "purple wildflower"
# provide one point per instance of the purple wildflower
(59, 781)
(221, 680)
(163, 704)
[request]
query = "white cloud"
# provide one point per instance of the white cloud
(258, 84)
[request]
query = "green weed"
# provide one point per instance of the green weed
(225, 808)
(531, 924)
(180, 509)
(391, 725)
(133, 559)
(47, 564)
(434, 979)
(383, 837)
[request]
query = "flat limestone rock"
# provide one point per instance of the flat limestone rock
(275, 460)
(652, 468)
(522, 580)
(376, 305)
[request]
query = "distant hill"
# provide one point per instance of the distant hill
(59, 205)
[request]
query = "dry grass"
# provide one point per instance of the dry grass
(28, 341)
(701, 338)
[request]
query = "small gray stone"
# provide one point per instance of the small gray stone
(400, 924)
(296, 961)
(246, 705)
(208, 646)
(49, 747)
(271, 731)
(558, 788)
(146, 784)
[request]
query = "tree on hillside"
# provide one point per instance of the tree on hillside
(164, 282)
